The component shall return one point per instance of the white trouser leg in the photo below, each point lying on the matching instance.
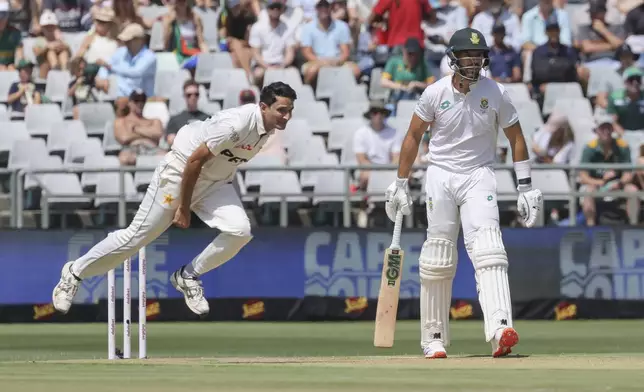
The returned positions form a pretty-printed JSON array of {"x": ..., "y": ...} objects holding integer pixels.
[
  {"x": 480, "y": 219},
  {"x": 154, "y": 216},
  {"x": 438, "y": 258},
  {"x": 221, "y": 209}
]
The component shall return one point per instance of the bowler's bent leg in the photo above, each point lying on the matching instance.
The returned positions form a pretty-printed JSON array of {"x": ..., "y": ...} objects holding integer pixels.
[
  {"x": 437, "y": 264},
  {"x": 153, "y": 217},
  {"x": 223, "y": 210},
  {"x": 480, "y": 220}
]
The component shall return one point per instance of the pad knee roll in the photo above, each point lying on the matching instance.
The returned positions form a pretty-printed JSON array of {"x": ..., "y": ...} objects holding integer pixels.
[
  {"x": 488, "y": 249},
  {"x": 437, "y": 259}
]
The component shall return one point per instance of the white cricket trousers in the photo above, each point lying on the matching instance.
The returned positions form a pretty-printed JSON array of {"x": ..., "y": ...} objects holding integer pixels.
[
  {"x": 470, "y": 197},
  {"x": 215, "y": 203}
]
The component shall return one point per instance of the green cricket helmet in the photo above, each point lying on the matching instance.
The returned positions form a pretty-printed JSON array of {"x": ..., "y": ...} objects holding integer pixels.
[{"x": 468, "y": 53}]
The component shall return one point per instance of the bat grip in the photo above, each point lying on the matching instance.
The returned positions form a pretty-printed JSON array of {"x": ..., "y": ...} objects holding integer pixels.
[{"x": 395, "y": 240}]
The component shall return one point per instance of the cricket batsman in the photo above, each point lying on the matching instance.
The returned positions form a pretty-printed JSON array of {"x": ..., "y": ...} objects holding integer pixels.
[
  {"x": 464, "y": 111},
  {"x": 195, "y": 175}
]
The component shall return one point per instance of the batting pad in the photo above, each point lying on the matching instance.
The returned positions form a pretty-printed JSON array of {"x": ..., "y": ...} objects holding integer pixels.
[
  {"x": 491, "y": 264},
  {"x": 437, "y": 266}
]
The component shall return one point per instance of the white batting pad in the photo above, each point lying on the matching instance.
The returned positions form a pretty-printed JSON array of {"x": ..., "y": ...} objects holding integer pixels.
[
  {"x": 437, "y": 266},
  {"x": 491, "y": 265}
]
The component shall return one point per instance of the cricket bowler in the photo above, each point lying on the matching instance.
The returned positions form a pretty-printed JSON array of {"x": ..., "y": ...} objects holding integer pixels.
[
  {"x": 195, "y": 175},
  {"x": 464, "y": 111}
]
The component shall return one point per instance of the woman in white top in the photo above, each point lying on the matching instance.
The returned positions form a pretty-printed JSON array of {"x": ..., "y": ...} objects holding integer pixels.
[
  {"x": 183, "y": 32},
  {"x": 554, "y": 141},
  {"x": 100, "y": 43}
]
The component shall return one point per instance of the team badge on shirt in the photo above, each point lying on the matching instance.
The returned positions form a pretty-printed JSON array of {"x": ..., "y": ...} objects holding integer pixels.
[
  {"x": 234, "y": 137},
  {"x": 484, "y": 103}
]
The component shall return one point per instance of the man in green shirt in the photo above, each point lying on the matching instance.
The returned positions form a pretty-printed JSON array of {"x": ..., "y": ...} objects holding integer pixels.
[
  {"x": 407, "y": 75},
  {"x": 627, "y": 105},
  {"x": 10, "y": 41},
  {"x": 606, "y": 149}
]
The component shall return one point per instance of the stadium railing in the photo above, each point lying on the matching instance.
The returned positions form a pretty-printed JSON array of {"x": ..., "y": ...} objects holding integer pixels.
[{"x": 17, "y": 178}]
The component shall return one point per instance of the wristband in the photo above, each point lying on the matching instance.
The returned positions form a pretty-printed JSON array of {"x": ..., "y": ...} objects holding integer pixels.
[
  {"x": 401, "y": 182},
  {"x": 524, "y": 180}
]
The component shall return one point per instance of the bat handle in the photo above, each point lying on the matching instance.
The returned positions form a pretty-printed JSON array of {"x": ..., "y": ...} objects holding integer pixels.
[{"x": 395, "y": 240}]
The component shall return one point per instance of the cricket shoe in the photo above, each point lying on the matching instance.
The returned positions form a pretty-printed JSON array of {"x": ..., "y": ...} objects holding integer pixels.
[
  {"x": 192, "y": 290},
  {"x": 503, "y": 342},
  {"x": 434, "y": 350},
  {"x": 65, "y": 290}
]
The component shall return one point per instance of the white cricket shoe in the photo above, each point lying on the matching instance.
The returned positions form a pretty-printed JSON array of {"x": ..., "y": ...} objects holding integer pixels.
[
  {"x": 192, "y": 290},
  {"x": 503, "y": 341},
  {"x": 434, "y": 350},
  {"x": 65, "y": 289}
]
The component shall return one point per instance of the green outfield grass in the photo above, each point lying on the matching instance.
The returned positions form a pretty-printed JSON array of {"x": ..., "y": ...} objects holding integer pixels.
[{"x": 257, "y": 356}]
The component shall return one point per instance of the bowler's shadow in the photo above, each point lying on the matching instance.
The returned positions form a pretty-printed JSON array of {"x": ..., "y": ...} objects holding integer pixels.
[{"x": 511, "y": 356}]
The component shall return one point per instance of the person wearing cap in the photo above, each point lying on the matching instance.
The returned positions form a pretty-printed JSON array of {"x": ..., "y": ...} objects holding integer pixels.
[
  {"x": 627, "y": 105},
  {"x": 496, "y": 13},
  {"x": 195, "y": 176},
  {"x": 599, "y": 40},
  {"x": 133, "y": 64},
  {"x": 606, "y": 149},
  {"x": 189, "y": 115},
  {"x": 406, "y": 75},
  {"x": 554, "y": 62},
  {"x": 325, "y": 42},
  {"x": 533, "y": 25},
  {"x": 100, "y": 43},
  {"x": 627, "y": 59},
  {"x": 137, "y": 134},
  {"x": 464, "y": 112},
  {"x": 505, "y": 62},
  {"x": 11, "y": 50},
  {"x": 23, "y": 92},
  {"x": 183, "y": 34},
  {"x": 50, "y": 50},
  {"x": 403, "y": 22},
  {"x": 72, "y": 15},
  {"x": 271, "y": 42},
  {"x": 235, "y": 24}
]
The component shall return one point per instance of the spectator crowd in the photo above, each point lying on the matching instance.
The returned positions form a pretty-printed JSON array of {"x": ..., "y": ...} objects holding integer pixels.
[{"x": 122, "y": 52}]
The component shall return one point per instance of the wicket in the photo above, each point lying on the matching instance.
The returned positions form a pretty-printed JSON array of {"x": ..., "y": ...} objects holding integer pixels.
[{"x": 127, "y": 309}]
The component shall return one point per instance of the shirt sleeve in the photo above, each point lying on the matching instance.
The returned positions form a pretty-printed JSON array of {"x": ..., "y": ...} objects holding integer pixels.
[
  {"x": 143, "y": 67},
  {"x": 220, "y": 135},
  {"x": 360, "y": 145},
  {"x": 254, "y": 39},
  {"x": 345, "y": 35},
  {"x": 626, "y": 154},
  {"x": 586, "y": 155},
  {"x": 306, "y": 39},
  {"x": 507, "y": 112},
  {"x": 565, "y": 34},
  {"x": 390, "y": 67},
  {"x": 525, "y": 29},
  {"x": 14, "y": 88},
  {"x": 381, "y": 7},
  {"x": 425, "y": 106},
  {"x": 610, "y": 108}
]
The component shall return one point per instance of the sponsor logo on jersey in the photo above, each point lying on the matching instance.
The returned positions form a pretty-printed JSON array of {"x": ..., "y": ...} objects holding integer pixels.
[
  {"x": 232, "y": 158},
  {"x": 444, "y": 105}
]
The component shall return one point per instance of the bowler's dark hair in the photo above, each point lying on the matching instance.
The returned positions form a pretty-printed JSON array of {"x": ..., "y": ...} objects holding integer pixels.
[{"x": 270, "y": 93}]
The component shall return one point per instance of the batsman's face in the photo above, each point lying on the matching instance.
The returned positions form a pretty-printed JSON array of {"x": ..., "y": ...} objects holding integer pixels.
[
  {"x": 470, "y": 63},
  {"x": 278, "y": 114}
]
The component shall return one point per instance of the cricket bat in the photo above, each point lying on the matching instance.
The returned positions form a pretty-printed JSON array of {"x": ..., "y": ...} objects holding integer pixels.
[{"x": 387, "y": 308}]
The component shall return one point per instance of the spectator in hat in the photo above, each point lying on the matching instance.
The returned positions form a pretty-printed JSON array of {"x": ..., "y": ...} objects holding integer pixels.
[
  {"x": 627, "y": 105},
  {"x": 190, "y": 114},
  {"x": 626, "y": 58},
  {"x": 555, "y": 62},
  {"x": 534, "y": 23},
  {"x": 138, "y": 135},
  {"x": 599, "y": 40},
  {"x": 406, "y": 75},
  {"x": 72, "y": 15},
  {"x": 606, "y": 149},
  {"x": 11, "y": 50},
  {"x": 23, "y": 92},
  {"x": 183, "y": 34},
  {"x": 376, "y": 143},
  {"x": 235, "y": 24},
  {"x": 505, "y": 62},
  {"x": 82, "y": 87},
  {"x": 133, "y": 64},
  {"x": 247, "y": 96},
  {"x": 50, "y": 49},
  {"x": 271, "y": 42},
  {"x": 325, "y": 42},
  {"x": 494, "y": 14},
  {"x": 101, "y": 42},
  {"x": 403, "y": 22}
]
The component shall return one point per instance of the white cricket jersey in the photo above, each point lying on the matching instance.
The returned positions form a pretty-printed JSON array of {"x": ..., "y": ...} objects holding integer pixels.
[
  {"x": 465, "y": 127},
  {"x": 234, "y": 136}
]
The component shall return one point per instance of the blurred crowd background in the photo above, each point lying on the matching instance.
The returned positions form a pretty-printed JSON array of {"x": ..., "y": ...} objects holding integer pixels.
[{"x": 103, "y": 84}]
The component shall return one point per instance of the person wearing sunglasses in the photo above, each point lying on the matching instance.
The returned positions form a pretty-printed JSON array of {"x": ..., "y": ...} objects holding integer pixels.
[{"x": 190, "y": 114}]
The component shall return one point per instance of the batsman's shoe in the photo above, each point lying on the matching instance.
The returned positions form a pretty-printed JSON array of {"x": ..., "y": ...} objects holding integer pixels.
[
  {"x": 65, "y": 289},
  {"x": 192, "y": 290},
  {"x": 503, "y": 342},
  {"x": 434, "y": 350}
]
